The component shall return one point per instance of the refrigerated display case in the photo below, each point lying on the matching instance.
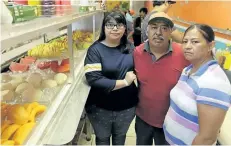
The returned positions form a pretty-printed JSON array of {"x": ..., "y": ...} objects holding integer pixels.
[{"x": 65, "y": 102}]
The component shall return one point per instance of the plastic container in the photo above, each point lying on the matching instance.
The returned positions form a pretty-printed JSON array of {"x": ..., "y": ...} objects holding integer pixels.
[
  {"x": 36, "y": 3},
  {"x": 227, "y": 63},
  {"x": 22, "y": 2},
  {"x": 22, "y": 13},
  {"x": 66, "y": 5},
  {"x": 6, "y": 17},
  {"x": 48, "y": 7},
  {"x": 58, "y": 7}
]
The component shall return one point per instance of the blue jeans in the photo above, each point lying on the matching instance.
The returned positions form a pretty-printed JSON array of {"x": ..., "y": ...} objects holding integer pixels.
[
  {"x": 145, "y": 134},
  {"x": 107, "y": 124}
]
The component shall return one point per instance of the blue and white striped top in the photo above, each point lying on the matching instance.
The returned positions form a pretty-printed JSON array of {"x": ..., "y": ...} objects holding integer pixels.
[{"x": 210, "y": 86}]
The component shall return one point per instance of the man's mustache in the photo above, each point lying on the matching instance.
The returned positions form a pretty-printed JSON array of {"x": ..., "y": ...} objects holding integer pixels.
[{"x": 159, "y": 37}]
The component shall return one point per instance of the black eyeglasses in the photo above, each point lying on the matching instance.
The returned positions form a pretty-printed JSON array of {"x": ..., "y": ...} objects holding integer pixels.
[{"x": 111, "y": 25}]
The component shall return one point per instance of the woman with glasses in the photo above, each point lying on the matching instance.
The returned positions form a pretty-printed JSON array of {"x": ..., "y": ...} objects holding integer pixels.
[{"x": 109, "y": 71}]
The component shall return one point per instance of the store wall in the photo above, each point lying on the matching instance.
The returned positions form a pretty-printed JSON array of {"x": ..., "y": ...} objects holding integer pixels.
[
  {"x": 214, "y": 13},
  {"x": 148, "y": 4},
  {"x": 220, "y": 41}
]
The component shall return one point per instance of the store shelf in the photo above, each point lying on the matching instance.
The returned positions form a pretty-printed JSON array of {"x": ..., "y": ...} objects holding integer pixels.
[
  {"x": 59, "y": 123},
  {"x": 64, "y": 125},
  {"x": 14, "y": 34},
  {"x": 33, "y": 32},
  {"x": 10, "y": 55},
  {"x": 48, "y": 115}
]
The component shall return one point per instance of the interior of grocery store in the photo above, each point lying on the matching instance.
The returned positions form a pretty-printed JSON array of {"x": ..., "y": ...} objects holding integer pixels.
[{"x": 44, "y": 44}]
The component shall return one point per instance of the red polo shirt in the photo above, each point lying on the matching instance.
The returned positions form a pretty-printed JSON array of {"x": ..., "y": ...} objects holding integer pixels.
[{"x": 156, "y": 79}]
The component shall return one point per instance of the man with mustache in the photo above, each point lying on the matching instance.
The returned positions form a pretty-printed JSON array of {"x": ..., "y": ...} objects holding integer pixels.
[
  {"x": 158, "y": 65},
  {"x": 161, "y": 6}
]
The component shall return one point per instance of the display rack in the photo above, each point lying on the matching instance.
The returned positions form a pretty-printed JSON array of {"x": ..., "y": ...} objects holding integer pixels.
[
  {"x": 58, "y": 125},
  {"x": 14, "y": 34}
]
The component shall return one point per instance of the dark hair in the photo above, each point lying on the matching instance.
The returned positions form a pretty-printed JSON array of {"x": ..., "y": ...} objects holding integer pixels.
[
  {"x": 158, "y": 2},
  {"x": 127, "y": 11},
  {"x": 145, "y": 10},
  {"x": 204, "y": 29},
  {"x": 119, "y": 18},
  {"x": 161, "y": 2}
]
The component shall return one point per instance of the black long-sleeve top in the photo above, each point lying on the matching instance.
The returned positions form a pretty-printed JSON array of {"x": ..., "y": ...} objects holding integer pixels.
[{"x": 103, "y": 66}]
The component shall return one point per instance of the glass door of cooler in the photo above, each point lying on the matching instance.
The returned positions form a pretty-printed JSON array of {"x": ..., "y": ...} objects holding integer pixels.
[{"x": 84, "y": 32}]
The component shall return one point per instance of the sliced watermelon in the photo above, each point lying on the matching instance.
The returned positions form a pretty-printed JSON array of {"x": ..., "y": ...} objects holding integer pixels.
[
  {"x": 16, "y": 67},
  {"x": 64, "y": 68},
  {"x": 26, "y": 61},
  {"x": 54, "y": 66},
  {"x": 65, "y": 61},
  {"x": 44, "y": 65}
]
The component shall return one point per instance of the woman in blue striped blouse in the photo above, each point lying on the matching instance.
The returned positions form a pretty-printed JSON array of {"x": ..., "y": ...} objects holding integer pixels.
[{"x": 201, "y": 98}]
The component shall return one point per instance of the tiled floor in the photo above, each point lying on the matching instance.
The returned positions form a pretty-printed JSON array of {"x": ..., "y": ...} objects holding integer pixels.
[{"x": 130, "y": 140}]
